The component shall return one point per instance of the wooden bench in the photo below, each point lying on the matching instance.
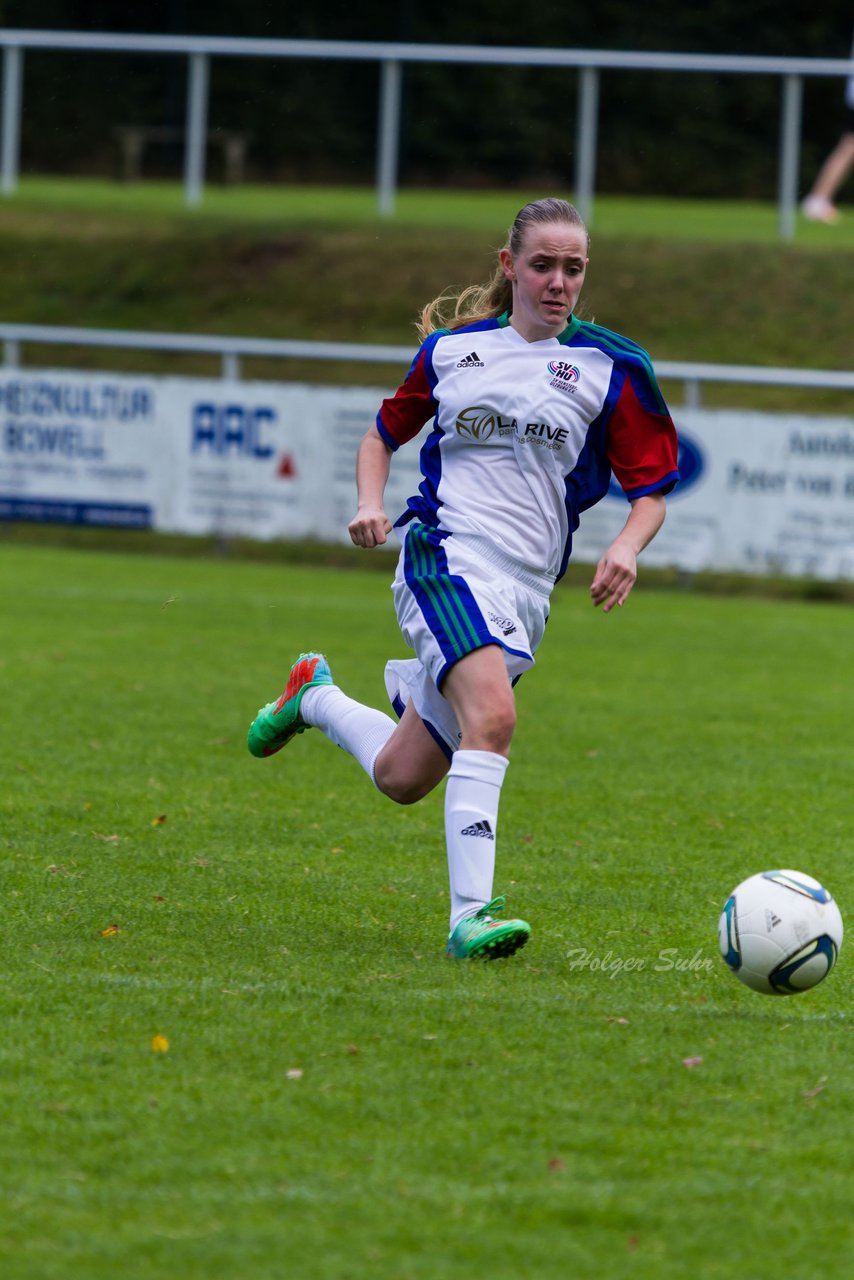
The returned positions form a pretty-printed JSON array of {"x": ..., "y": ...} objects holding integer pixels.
[{"x": 133, "y": 140}]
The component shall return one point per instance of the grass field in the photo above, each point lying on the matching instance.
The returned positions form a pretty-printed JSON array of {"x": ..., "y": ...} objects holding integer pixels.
[{"x": 330, "y": 1097}]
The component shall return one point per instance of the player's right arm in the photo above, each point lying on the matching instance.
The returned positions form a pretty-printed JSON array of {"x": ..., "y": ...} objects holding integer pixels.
[
  {"x": 371, "y": 526},
  {"x": 400, "y": 418}
]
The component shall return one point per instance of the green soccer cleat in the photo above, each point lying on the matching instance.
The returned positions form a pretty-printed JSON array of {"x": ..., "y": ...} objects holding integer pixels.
[
  {"x": 278, "y": 722},
  {"x": 479, "y": 937}
]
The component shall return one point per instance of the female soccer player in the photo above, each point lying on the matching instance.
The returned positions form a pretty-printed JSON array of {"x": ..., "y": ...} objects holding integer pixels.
[{"x": 532, "y": 409}]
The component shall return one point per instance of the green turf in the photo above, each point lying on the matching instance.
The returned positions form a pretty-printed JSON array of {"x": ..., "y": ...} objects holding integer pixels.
[{"x": 531, "y": 1117}]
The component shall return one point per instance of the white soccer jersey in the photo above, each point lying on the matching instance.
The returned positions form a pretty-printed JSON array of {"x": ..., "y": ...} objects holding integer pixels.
[{"x": 526, "y": 434}]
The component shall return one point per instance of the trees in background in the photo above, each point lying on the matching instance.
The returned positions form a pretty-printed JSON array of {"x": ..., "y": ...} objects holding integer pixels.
[{"x": 678, "y": 134}]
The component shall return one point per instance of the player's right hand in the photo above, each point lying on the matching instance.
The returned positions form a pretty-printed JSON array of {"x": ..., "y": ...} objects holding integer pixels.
[{"x": 370, "y": 527}]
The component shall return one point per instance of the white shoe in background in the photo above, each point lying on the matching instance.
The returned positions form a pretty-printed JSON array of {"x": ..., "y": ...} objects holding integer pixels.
[{"x": 818, "y": 209}]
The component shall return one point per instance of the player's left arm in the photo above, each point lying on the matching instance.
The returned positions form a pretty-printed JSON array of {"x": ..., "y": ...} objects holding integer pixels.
[
  {"x": 617, "y": 571},
  {"x": 643, "y": 452}
]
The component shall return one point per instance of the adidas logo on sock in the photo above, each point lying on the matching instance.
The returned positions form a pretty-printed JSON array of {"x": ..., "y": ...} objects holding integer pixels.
[
  {"x": 482, "y": 829},
  {"x": 471, "y": 361}
]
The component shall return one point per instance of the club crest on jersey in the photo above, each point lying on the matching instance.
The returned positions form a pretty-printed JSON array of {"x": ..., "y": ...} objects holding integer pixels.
[
  {"x": 565, "y": 376},
  {"x": 480, "y": 422}
]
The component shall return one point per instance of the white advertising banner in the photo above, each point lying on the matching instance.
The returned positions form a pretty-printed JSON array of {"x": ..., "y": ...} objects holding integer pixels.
[
  {"x": 251, "y": 460},
  {"x": 80, "y": 448},
  {"x": 254, "y": 459},
  {"x": 762, "y": 493}
]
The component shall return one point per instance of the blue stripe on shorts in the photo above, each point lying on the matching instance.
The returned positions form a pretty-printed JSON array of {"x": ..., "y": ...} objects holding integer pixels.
[{"x": 444, "y": 598}]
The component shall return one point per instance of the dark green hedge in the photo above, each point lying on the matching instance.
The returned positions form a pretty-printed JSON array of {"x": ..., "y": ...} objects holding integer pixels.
[{"x": 698, "y": 135}]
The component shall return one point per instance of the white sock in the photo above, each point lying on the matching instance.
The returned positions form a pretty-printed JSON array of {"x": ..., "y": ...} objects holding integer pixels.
[
  {"x": 471, "y": 817},
  {"x": 361, "y": 730}
]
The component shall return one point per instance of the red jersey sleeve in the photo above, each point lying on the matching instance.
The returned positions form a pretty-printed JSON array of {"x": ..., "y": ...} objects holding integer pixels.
[
  {"x": 641, "y": 440},
  {"x": 402, "y": 415}
]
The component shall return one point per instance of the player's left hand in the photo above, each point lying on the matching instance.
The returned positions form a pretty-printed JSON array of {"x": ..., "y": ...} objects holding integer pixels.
[{"x": 616, "y": 574}]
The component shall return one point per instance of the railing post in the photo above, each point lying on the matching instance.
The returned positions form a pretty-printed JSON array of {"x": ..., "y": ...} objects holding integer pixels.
[
  {"x": 13, "y": 58},
  {"x": 790, "y": 150},
  {"x": 389, "y": 137},
  {"x": 12, "y": 353},
  {"x": 197, "y": 127},
  {"x": 585, "y": 140},
  {"x": 230, "y": 366},
  {"x": 692, "y": 394}
]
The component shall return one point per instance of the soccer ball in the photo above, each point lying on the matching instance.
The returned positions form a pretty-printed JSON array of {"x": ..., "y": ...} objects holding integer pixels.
[{"x": 780, "y": 932}]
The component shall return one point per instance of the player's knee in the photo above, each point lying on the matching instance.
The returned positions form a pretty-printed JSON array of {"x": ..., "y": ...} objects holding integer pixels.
[
  {"x": 402, "y": 790},
  {"x": 405, "y": 792},
  {"x": 492, "y": 726},
  {"x": 400, "y": 784}
]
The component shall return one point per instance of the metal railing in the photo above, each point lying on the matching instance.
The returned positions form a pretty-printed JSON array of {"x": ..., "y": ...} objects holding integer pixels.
[
  {"x": 231, "y": 349},
  {"x": 391, "y": 59}
]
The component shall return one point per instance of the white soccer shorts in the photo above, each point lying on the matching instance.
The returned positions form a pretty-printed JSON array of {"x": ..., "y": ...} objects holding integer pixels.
[{"x": 455, "y": 593}]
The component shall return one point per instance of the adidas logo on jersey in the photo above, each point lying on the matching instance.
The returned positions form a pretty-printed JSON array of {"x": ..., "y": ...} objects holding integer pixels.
[
  {"x": 482, "y": 829},
  {"x": 471, "y": 361}
]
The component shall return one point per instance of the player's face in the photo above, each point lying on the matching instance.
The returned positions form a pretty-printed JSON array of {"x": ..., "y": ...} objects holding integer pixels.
[{"x": 546, "y": 277}]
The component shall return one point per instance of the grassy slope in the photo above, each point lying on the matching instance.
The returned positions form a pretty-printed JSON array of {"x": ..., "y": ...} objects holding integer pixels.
[
  {"x": 690, "y": 281},
  {"x": 283, "y": 917}
]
